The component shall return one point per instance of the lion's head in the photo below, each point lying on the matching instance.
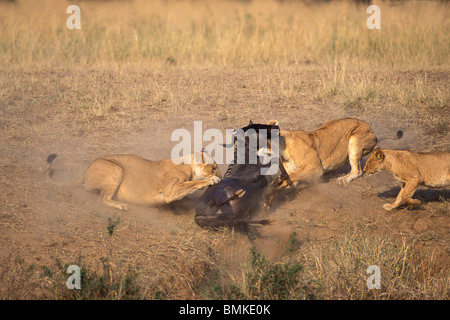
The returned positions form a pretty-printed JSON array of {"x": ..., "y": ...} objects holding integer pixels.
[
  {"x": 204, "y": 166},
  {"x": 375, "y": 162}
]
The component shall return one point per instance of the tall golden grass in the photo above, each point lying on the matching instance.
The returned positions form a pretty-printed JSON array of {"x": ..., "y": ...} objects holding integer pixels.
[{"x": 413, "y": 34}]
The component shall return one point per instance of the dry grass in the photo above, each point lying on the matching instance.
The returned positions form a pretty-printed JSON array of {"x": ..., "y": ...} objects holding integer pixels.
[
  {"x": 407, "y": 95},
  {"x": 407, "y": 272},
  {"x": 152, "y": 265},
  {"x": 230, "y": 33},
  {"x": 336, "y": 269},
  {"x": 131, "y": 262}
]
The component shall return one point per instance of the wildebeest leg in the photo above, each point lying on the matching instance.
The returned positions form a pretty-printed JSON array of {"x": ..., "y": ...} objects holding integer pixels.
[
  {"x": 251, "y": 231},
  {"x": 279, "y": 183},
  {"x": 306, "y": 174},
  {"x": 263, "y": 222},
  {"x": 213, "y": 223},
  {"x": 309, "y": 170}
]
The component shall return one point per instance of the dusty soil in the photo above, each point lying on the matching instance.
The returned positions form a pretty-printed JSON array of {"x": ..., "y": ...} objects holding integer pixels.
[{"x": 43, "y": 113}]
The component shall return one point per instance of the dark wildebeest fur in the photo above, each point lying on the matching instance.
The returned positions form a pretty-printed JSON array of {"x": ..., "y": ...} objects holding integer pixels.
[{"x": 239, "y": 195}]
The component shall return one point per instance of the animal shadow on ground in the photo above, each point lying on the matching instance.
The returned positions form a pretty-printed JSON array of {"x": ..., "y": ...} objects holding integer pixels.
[
  {"x": 424, "y": 195},
  {"x": 184, "y": 206},
  {"x": 291, "y": 193}
]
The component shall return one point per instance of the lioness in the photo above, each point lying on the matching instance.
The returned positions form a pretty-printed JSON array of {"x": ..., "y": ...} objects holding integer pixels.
[
  {"x": 413, "y": 169},
  {"x": 308, "y": 155},
  {"x": 133, "y": 179}
]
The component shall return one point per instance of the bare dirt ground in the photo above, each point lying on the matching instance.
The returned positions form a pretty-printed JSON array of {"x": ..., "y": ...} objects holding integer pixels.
[{"x": 85, "y": 114}]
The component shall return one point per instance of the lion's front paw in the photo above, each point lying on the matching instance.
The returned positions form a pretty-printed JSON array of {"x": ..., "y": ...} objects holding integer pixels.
[
  {"x": 346, "y": 179},
  {"x": 388, "y": 207},
  {"x": 343, "y": 180},
  {"x": 214, "y": 180}
]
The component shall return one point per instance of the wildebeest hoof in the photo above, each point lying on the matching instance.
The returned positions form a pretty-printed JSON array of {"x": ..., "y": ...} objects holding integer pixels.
[{"x": 266, "y": 222}]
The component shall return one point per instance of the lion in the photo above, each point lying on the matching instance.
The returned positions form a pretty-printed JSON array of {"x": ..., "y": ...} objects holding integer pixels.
[
  {"x": 306, "y": 156},
  {"x": 132, "y": 179},
  {"x": 412, "y": 169}
]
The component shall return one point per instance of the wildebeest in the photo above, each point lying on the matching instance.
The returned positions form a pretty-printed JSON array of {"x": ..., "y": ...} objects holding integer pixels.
[{"x": 239, "y": 194}]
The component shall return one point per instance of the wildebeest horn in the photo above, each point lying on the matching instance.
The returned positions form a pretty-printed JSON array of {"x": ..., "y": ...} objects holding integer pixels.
[{"x": 229, "y": 145}]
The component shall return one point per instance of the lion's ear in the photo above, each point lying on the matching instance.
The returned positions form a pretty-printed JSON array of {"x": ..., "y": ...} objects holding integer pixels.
[
  {"x": 379, "y": 154},
  {"x": 203, "y": 157},
  {"x": 272, "y": 122},
  {"x": 208, "y": 160},
  {"x": 198, "y": 157}
]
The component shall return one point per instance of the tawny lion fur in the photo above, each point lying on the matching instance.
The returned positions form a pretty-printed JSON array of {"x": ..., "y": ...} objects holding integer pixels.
[
  {"x": 412, "y": 169},
  {"x": 307, "y": 155},
  {"x": 133, "y": 179}
]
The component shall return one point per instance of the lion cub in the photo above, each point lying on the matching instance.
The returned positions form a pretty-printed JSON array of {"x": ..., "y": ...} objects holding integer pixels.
[
  {"x": 133, "y": 179},
  {"x": 413, "y": 169}
]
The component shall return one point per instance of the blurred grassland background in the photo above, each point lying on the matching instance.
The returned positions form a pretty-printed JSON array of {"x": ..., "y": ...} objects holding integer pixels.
[
  {"x": 413, "y": 35},
  {"x": 267, "y": 40}
]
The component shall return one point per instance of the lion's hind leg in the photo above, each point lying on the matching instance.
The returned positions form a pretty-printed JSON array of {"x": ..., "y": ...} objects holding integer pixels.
[
  {"x": 357, "y": 148},
  {"x": 104, "y": 176}
]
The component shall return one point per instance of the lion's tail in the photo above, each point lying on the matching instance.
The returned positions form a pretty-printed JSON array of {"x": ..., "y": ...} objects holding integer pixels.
[
  {"x": 397, "y": 136},
  {"x": 50, "y": 172}
]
